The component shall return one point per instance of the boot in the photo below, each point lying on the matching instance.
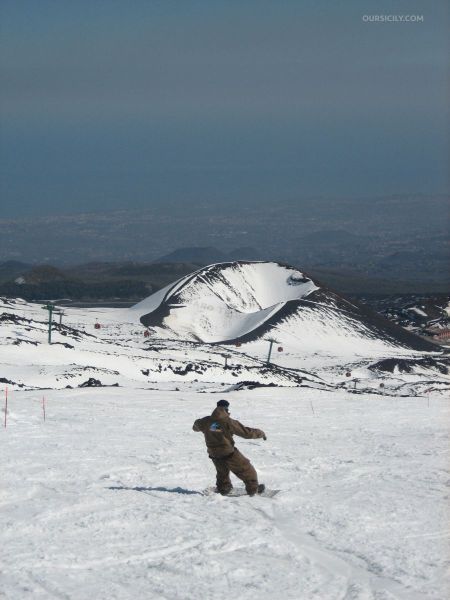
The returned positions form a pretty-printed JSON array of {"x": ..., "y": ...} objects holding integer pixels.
[{"x": 259, "y": 490}]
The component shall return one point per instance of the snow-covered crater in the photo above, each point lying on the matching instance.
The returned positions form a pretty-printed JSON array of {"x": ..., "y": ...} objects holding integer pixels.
[
  {"x": 224, "y": 301},
  {"x": 246, "y": 301}
]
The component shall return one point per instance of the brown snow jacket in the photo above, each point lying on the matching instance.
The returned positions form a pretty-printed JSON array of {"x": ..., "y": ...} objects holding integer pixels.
[{"x": 219, "y": 429}]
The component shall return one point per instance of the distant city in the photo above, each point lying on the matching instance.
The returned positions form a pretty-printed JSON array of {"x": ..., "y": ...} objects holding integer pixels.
[{"x": 398, "y": 241}]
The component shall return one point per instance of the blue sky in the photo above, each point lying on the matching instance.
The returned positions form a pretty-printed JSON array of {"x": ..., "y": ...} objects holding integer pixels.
[{"x": 108, "y": 104}]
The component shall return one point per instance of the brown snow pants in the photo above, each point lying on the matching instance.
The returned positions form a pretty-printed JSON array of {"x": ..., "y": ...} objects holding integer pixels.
[{"x": 238, "y": 464}]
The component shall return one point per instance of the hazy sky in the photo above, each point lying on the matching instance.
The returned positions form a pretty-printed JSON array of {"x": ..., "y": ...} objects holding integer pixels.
[{"x": 112, "y": 104}]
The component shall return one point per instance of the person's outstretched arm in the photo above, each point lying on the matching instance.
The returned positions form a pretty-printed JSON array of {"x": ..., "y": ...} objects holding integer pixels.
[
  {"x": 246, "y": 432},
  {"x": 197, "y": 426}
]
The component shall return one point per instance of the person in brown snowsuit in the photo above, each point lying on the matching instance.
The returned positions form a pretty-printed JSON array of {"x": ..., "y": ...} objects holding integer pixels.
[{"x": 218, "y": 430}]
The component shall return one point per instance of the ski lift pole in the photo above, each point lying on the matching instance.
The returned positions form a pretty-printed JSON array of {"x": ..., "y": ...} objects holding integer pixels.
[
  {"x": 272, "y": 342},
  {"x": 50, "y": 307},
  {"x": 60, "y": 314}
]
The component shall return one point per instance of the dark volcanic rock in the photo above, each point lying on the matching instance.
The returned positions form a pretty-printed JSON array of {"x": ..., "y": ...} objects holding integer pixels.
[
  {"x": 9, "y": 382},
  {"x": 407, "y": 365},
  {"x": 249, "y": 385},
  {"x": 91, "y": 382}
]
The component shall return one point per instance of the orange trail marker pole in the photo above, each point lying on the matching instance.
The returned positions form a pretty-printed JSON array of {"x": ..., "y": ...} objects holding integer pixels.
[
  {"x": 6, "y": 404},
  {"x": 43, "y": 407}
]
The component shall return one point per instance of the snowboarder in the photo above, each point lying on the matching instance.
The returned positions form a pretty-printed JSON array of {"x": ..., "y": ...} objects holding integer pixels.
[{"x": 218, "y": 430}]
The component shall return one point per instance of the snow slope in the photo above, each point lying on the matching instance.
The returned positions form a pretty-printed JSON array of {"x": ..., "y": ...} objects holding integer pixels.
[
  {"x": 103, "y": 499},
  {"x": 119, "y": 354},
  {"x": 247, "y": 301}
]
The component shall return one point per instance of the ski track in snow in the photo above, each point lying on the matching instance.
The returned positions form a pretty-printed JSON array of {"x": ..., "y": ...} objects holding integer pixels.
[{"x": 103, "y": 499}]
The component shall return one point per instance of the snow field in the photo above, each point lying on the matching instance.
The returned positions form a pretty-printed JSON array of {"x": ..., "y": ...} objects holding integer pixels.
[
  {"x": 103, "y": 500},
  {"x": 118, "y": 353}
]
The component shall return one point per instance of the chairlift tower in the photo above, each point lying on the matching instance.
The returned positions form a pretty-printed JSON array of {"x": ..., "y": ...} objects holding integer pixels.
[
  {"x": 50, "y": 307},
  {"x": 271, "y": 342},
  {"x": 60, "y": 313}
]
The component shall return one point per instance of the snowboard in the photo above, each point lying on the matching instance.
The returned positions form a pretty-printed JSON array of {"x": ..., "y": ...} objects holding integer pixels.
[{"x": 240, "y": 491}]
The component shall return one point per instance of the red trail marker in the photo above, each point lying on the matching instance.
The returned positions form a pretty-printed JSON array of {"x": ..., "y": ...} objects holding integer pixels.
[{"x": 6, "y": 404}]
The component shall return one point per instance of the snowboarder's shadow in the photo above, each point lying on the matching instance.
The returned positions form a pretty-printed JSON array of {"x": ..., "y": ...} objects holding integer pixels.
[{"x": 177, "y": 490}]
